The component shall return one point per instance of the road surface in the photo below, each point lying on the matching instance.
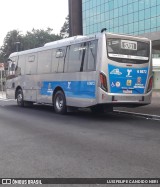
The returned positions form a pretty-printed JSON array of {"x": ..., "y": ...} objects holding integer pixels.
[{"x": 36, "y": 142}]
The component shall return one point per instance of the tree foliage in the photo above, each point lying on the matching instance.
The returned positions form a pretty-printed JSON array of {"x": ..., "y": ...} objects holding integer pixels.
[
  {"x": 10, "y": 43},
  {"x": 64, "y": 32},
  {"x": 37, "y": 38},
  {"x": 15, "y": 41}
]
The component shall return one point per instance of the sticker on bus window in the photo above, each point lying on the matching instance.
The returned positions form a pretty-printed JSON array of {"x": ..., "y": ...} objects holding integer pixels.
[{"x": 130, "y": 45}]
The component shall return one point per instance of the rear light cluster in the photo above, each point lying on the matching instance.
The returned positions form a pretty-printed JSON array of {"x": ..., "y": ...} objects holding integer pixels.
[
  {"x": 150, "y": 84},
  {"x": 103, "y": 82}
]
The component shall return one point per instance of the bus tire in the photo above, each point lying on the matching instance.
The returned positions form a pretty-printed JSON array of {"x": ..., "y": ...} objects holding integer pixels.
[
  {"x": 20, "y": 101},
  {"x": 60, "y": 103}
]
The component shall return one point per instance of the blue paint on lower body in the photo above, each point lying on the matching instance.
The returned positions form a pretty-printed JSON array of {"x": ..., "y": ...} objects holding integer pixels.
[{"x": 76, "y": 89}]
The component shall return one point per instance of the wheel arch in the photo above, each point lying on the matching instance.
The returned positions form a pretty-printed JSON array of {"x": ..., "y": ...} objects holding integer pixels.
[{"x": 58, "y": 88}]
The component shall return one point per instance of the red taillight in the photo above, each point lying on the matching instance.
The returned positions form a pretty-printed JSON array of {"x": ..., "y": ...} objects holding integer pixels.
[
  {"x": 150, "y": 84},
  {"x": 103, "y": 82}
]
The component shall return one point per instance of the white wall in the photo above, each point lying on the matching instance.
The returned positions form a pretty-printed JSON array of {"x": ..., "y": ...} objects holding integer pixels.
[{"x": 156, "y": 73}]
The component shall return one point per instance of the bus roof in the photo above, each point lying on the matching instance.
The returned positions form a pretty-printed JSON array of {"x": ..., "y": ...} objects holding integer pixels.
[
  {"x": 59, "y": 43},
  {"x": 73, "y": 40},
  {"x": 65, "y": 40}
]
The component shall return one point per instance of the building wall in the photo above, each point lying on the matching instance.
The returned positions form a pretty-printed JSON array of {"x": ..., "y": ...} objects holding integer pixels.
[
  {"x": 156, "y": 73},
  {"x": 134, "y": 17}
]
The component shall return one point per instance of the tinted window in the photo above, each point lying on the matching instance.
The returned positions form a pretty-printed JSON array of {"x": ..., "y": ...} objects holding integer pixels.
[
  {"x": 75, "y": 57},
  {"x": 12, "y": 65},
  {"x": 58, "y": 56},
  {"x": 21, "y": 65},
  {"x": 92, "y": 53},
  {"x": 44, "y": 61},
  {"x": 54, "y": 61},
  {"x": 31, "y": 64},
  {"x": 128, "y": 51}
]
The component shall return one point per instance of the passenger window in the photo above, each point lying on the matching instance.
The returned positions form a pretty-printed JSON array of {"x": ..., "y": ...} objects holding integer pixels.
[
  {"x": 31, "y": 64},
  {"x": 21, "y": 65},
  {"x": 12, "y": 65},
  {"x": 44, "y": 61},
  {"x": 31, "y": 58},
  {"x": 60, "y": 55},
  {"x": 92, "y": 54},
  {"x": 75, "y": 57},
  {"x": 54, "y": 61}
]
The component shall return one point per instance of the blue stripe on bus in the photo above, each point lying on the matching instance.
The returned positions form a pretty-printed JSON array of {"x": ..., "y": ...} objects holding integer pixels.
[{"x": 76, "y": 89}]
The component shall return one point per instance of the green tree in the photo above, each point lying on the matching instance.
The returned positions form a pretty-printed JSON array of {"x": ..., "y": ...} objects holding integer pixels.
[
  {"x": 2, "y": 56},
  {"x": 64, "y": 32},
  {"x": 15, "y": 41},
  {"x": 12, "y": 40},
  {"x": 37, "y": 38}
]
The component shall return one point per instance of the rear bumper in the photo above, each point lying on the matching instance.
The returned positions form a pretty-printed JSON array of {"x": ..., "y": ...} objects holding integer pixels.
[{"x": 124, "y": 99}]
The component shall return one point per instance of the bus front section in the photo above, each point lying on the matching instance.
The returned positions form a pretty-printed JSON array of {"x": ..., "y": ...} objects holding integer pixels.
[{"x": 126, "y": 71}]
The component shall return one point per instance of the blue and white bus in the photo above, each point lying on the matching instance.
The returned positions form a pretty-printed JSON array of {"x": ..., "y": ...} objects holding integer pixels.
[{"x": 98, "y": 71}]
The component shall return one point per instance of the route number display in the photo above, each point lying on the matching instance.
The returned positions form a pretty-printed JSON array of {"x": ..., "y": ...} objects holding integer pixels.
[{"x": 130, "y": 45}]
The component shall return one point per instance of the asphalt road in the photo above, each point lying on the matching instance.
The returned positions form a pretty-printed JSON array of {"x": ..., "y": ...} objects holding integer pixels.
[{"x": 36, "y": 142}]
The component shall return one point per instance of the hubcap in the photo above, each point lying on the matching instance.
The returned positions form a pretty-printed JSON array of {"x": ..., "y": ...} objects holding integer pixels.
[
  {"x": 59, "y": 102},
  {"x": 19, "y": 98}
]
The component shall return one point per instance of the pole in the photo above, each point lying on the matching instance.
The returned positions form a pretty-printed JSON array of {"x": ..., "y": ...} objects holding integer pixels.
[
  {"x": 1, "y": 83},
  {"x": 17, "y": 46}
]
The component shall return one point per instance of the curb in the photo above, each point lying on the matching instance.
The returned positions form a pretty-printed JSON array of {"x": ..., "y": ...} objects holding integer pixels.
[{"x": 147, "y": 116}]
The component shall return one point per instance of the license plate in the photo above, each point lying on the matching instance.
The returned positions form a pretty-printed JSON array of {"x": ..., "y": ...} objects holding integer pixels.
[
  {"x": 127, "y": 91},
  {"x": 128, "y": 98}
]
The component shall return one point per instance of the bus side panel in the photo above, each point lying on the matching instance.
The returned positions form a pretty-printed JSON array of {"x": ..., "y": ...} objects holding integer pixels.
[
  {"x": 10, "y": 91},
  {"x": 79, "y": 88},
  {"x": 44, "y": 92},
  {"x": 11, "y": 85},
  {"x": 82, "y": 92},
  {"x": 28, "y": 84}
]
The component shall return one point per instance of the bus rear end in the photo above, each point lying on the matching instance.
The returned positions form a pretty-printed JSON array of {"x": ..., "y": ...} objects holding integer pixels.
[{"x": 125, "y": 77}]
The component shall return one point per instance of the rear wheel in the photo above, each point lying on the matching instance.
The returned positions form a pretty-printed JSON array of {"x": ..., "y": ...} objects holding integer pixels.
[
  {"x": 60, "y": 103},
  {"x": 20, "y": 101}
]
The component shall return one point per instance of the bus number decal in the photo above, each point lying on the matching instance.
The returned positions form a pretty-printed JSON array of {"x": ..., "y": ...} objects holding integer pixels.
[
  {"x": 91, "y": 83},
  {"x": 130, "y": 45}
]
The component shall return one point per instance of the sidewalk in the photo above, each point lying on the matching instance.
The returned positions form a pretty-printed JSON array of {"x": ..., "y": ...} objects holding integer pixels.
[
  {"x": 2, "y": 95},
  {"x": 152, "y": 109}
]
